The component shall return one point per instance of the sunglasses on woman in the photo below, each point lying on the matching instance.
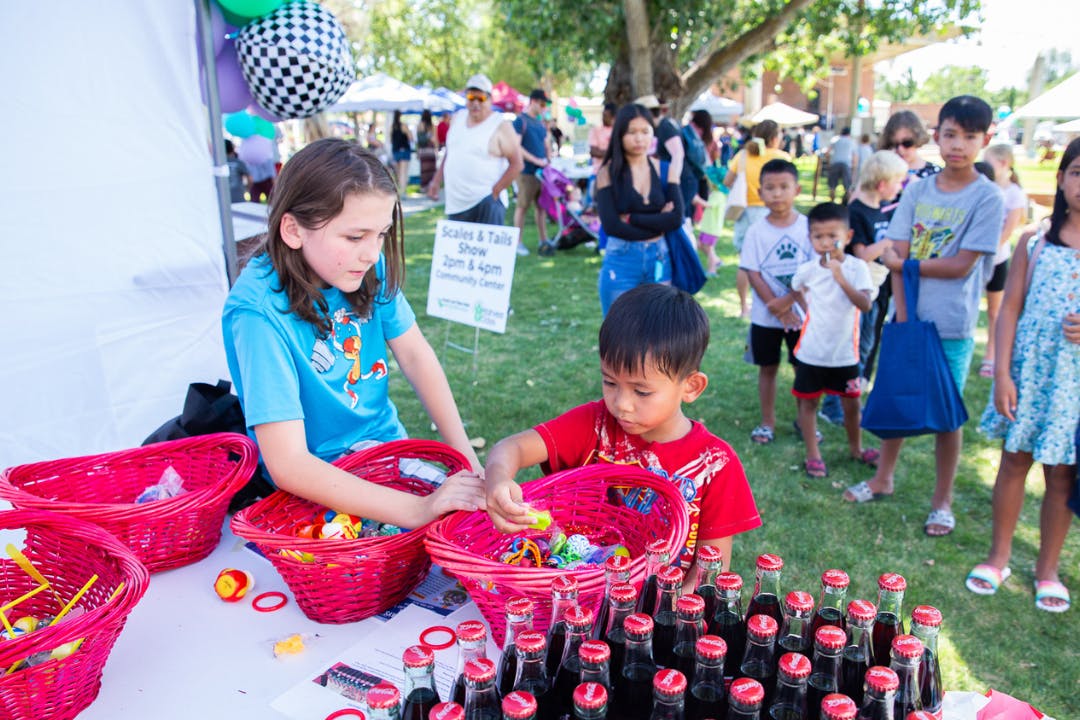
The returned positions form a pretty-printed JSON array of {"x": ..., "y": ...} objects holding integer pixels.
[{"x": 906, "y": 142}]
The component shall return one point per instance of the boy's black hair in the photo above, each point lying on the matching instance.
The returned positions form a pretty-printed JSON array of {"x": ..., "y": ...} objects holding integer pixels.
[
  {"x": 659, "y": 322},
  {"x": 778, "y": 166},
  {"x": 826, "y": 211},
  {"x": 229, "y": 147},
  {"x": 969, "y": 112}
]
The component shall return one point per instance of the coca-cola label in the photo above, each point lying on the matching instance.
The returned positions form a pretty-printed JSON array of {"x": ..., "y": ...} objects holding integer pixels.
[
  {"x": 479, "y": 670},
  {"x": 907, "y": 646},
  {"x": 518, "y": 705},
  {"x": 927, "y": 615},
  {"x": 590, "y": 696},
  {"x": 882, "y": 679},
  {"x": 770, "y": 562},
  {"x": 669, "y": 682},
  {"x": 578, "y": 617},
  {"x": 892, "y": 582},
  {"x": 729, "y": 581},
  {"x": 447, "y": 711},
  {"x": 861, "y": 609},
  {"x": 712, "y": 647},
  {"x": 638, "y": 624},
  {"x": 835, "y": 578},
  {"x": 830, "y": 637},
  {"x": 670, "y": 575},
  {"x": 417, "y": 656},
  {"x": 747, "y": 691},
  {"x": 762, "y": 626},
  {"x": 564, "y": 584},
  {"x": 709, "y": 554},
  {"x": 799, "y": 601},
  {"x": 519, "y": 606},
  {"x": 594, "y": 651},
  {"x": 623, "y": 592},
  {"x": 530, "y": 641},
  {"x": 471, "y": 631},
  {"x": 795, "y": 665},
  {"x": 382, "y": 696},
  {"x": 690, "y": 604}
]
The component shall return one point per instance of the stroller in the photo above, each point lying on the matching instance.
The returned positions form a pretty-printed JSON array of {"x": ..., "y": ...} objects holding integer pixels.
[{"x": 560, "y": 198}]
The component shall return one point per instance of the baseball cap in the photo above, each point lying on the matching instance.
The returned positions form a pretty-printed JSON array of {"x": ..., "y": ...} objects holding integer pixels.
[
  {"x": 479, "y": 81},
  {"x": 539, "y": 94},
  {"x": 649, "y": 102}
]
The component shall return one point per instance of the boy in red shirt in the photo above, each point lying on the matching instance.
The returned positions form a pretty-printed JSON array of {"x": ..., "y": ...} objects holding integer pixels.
[{"x": 651, "y": 345}]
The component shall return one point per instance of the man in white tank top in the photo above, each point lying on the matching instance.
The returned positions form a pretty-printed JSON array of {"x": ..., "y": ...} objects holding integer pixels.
[{"x": 482, "y": 157}]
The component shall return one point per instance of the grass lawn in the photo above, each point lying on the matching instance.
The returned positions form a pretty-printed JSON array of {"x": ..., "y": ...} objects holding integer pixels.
[{"x": 547, "y": 362}]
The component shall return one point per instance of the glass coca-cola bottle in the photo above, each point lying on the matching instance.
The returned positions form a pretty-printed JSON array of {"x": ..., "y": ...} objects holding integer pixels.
[
  {"x": 633, "y": 690},
  {"x": 384, "y": 702},
  {"x": 830, "y": 608},
  {"x": 709, "y": 563},
  {"x": 925, "y": 625},
  {"x": 669, "y": 580},
  {"x": 729, "y": 622},
  {"x": 472, "y": 645},
  {"x": 798, "y": 616},
  {"x": 622, "y": 601},
  {"x": 745, "y": 697},
  {"x": 448, "y": 710},
  {"x": 669, "y": 695},
  {"x": 657, "y": 555},
  {"x": 579, "y": 622},
  {"x": 907, "y": 653},
  {"x": 591, "y": 702},
  {"x": 825, "y": 678},
  {"x": 420, "y": 693},
  {"x": 519, "y": 705},
  {"x": 766, "y": 597},
  {"x": 532, "y": 674},
  {"x": 890, "y": 615},
  {"x": 564, "y": 595},
  {"x": 792, "y": 673},
  {"x": 759, "y": 659},
  {"x": 595, "y": 663},
  {"x": 519, "y": 619},
  {"x": 878, "y": 701},
  {"x": 707, "y": 697},
  {"x": 481, "y": 695},
  {"x": 616, "y": 571},
  {"x": 838, "y": 706},
  {"x": 689, "y": 626},
  {"x": 858, "y": 650}
]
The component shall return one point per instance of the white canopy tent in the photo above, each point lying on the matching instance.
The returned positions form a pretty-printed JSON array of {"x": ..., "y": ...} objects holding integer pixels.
[
  {"x": 114, "y": 276},
  {"x": 721, "y": 109},
  {"x": 1060, "y": 101},
  {"x": 381, "y": 93},
  {"x": 1073, "y": 126},
  {"x": 784, "y": 115}
]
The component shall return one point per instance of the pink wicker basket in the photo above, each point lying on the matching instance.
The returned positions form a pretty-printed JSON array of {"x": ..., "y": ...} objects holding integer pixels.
[
  {"x": 586, "y": 500},
  {"x": 102, "y": 489},
  {"x": 348, "y": 580},
  {"x": 67, "y": 551}
]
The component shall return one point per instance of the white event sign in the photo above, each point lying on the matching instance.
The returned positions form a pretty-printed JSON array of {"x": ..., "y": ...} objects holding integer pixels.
[{"x": 472, "y": 271}]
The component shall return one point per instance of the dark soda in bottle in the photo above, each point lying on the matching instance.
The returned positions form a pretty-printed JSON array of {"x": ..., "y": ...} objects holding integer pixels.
[
  {"x": 657, "y": 555},
  {"x": 877, "y": 704},
  {"x": 795, "y": 630},
  {"x": 591, "y": 701},
  {"x": 519, "y": 619},
  {"x": 889, "y": 621},
  {"x": 633, "y": 690},
  {"x": 708, "y": 694},
  {"x": 472, "y": 645},
  {"x": 825, "y": 678},
  {"x": 579, "y": 622},
  {"x": 564, "y": 595},
  {"x": 481, "y": 695},
  {"x": 623, "y": 599},
  {"x": 421, "y": 696},
  {"x": 519, "y": 705},
  {"x": 792, "y": 674},
  {"x": 447, "y": 711},
  {"x": 669, "y": 695},
  {"x": 907, "y": 653},
  {"x": 690, "y": 611},
  {"x": 669, "y": 580},
  {"x": 759, "y": 660},
  {"x": 744, "y": 699},
  {"x": 858, "y": 656},
  {"x": 925, "y": 625},
  {"x": 728, "y": 622},
  {"x": 532, "y": 674},
  {"x": 830, "y": 609},
  {"x": 838, "y": 706},
  {"x": 384, "y": 702},
  {"x": 616, "y": 572},
  {"x": 709, "y": 563},
  {"x": 766, "y": 597},
  {"x": 595, "y": 663}
]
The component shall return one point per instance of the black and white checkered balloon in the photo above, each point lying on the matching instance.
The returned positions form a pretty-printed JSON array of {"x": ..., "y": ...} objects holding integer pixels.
[{"x": 296, "y": 60}]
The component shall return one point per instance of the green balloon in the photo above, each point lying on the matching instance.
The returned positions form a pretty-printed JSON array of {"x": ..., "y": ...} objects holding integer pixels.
[
  {"x": 241, "y": 12},
  {"x": 264, "y": 127}
]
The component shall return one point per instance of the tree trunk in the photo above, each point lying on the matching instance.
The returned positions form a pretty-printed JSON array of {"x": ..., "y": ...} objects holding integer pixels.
[{"x": 640, "y": 58}]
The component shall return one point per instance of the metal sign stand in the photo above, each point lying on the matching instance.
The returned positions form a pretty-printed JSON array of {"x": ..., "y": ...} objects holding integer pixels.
[{"x": 474, "y": 350}]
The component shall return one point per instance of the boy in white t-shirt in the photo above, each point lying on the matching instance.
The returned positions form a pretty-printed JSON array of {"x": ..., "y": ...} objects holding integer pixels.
[{"x": 836, "y": 288}]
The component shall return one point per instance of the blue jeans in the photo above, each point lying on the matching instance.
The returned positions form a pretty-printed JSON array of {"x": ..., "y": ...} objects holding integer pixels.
[
  {"x": 628, "y": 264},
  {"x": 489, "y": 211}
]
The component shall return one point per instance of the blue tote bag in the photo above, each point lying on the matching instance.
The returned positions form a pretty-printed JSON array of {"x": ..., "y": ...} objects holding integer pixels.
[
  {"x": 686, "y": 271},
  {"x": 914, "y": 392}
]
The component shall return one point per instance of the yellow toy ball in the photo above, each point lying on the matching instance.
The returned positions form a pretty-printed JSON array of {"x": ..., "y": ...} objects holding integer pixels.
[{"x": 232, "y": 584}]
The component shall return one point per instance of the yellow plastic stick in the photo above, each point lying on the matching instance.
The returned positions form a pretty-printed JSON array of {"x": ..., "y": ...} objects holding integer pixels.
[
  {"x": 28, "y": 567},
  {"x": 26, "y": 596},
  {"x": 82, "y": 591}
]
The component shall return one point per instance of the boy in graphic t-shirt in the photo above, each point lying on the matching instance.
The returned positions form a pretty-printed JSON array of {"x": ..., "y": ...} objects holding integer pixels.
[{"x": 774, "y": 247}]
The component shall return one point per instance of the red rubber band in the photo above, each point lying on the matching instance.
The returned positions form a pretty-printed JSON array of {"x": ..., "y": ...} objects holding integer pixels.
[
  {"x": 273, "y": 594},
  {"x": 345, "y": 712},
  {"x": 438, "y": 629}
]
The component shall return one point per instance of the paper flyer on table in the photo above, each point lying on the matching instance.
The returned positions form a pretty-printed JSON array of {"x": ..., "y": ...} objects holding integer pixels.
[{"x": 377, "y": 656}]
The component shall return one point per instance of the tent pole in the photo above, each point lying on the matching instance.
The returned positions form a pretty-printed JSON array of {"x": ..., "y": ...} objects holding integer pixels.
[{"x": 217, "y": 139}]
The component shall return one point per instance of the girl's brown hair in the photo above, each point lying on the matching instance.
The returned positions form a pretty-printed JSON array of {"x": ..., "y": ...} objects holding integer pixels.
[
  {"x": 312, "y": 188},
  {"x": 767, "y": 131},
  {"x": 903, "y": 120}
]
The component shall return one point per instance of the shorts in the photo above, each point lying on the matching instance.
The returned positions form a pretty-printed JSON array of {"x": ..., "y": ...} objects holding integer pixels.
[
  {"x": 750, "y": 215},
  {"x": 997, "y": 280},
  {"x": 489, "y": 211},
  {"x": 402, "y": 155},
  {"x": 763, "y": 345},
  {"x": 528, "y": 190},
  {"x": 839, "y": 174},
  {"x": 812, "y": 380},
  {"x": 707, "y": 240},
  {"x": 958, "y": 354}
]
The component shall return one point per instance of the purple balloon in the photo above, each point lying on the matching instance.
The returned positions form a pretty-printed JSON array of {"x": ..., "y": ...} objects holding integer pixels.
[
  {"x": 232, "y": 88},
  {"x": 256, "y": 109},
  {"x": 256, "y": 149},
  {"x": 218, "y": 30}
]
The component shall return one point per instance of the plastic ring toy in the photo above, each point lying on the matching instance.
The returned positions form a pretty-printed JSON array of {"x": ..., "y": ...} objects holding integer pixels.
[
  {"x": 435, "y": 630},
  {"x": 258, "y": 601},
  {"x": 344, "y": 713}
]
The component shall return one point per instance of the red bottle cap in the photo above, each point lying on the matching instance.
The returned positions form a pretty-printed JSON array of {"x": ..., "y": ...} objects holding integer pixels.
[
  {"x": 590, "y": 696},
  {"x": 926, "y": 615},
  {"x": 383, "y": 696},
  {"x": 471, "y": 631},
  {"x": 578, "y": 618},
  {"x": 835, "y": 579},
  {"x": 838, "y": 706},
  {"x": 447, "y": 711},
  {"x": 711, "y": 647},
  {"x": 623, "y": 592},
  {"x": 518, "y": 705},
  {"x": 670, "y": 575},
  {"x": 861, "y": 610},
  {"x": 709, "y": 554},
  {"x": 770, "y": 563},
  {"x": 669, "y": 682},
  {"x": 907, "y": 646},
  {"x": 530, "y": 641},
  {"x": 729, "y": 581},
  {"x": 564, "y": 584},
  {"x": 639, "y": 625},
  {"x": 762, "y": 627},
  {"x": 795, "y": 665},
  {"x": 594, "y": 651},
  {"x": 480, "y": 670},
  {"x": 799, "y": 601},
  {"x": 748, "y": 692},
  {"x": 892, "y": 582},
  {"x": 830, "y": 637},
  {"x": 417, "y": 656},
  {"x": 520, "y": 606},
  {"x": 882, "y": 679},
  {"x": 690, "y": 604},
  {"x": 920, "y": 715},
  {"x": 617, "y": 563},
  {"x": 657, "y": 547}
]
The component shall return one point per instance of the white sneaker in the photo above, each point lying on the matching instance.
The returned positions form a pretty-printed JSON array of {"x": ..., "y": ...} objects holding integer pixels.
[{"x": 522, "y": 250}]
